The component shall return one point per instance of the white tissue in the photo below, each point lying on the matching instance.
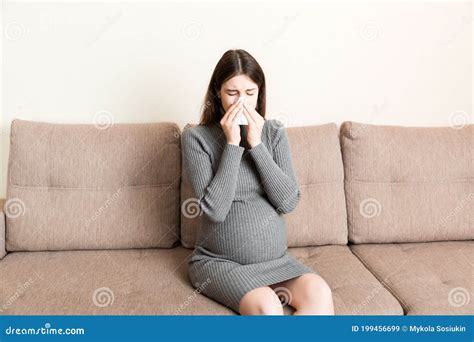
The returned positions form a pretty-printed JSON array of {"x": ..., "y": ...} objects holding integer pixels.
[{"x": 241, "y": 118}]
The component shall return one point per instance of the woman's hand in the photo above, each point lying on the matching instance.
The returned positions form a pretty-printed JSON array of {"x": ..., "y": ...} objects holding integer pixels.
[
  {"x": 255, "y": 126},
  {"x": 230, "y": 126}
]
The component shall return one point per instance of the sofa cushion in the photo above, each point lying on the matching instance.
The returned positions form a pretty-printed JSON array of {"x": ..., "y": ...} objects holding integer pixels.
[
  {"x": 155, "y": 282},
  {"x": 355, "y": 290},
  {"x": 432, "y": 278},
  {"x": 80, "y": 186},
  {"x": 320, "y": 217},
  {"x": 408, "y": 184},
  {"x": 102, "y": 282}
]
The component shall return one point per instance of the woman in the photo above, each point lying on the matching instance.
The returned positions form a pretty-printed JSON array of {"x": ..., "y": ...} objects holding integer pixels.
[{"x": 243, "y": 179}]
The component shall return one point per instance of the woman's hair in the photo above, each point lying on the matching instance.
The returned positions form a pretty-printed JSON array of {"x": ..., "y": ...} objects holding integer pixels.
[{"x": 232, "y": 63}]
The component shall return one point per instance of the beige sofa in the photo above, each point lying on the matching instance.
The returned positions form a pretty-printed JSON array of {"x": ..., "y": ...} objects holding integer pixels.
[{"x": 102, "y": 221}]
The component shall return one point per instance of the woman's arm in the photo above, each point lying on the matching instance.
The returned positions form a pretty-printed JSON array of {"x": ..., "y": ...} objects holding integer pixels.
[
  {"x": 277, "y": 174},
  {"x": 215, "y": 193}
]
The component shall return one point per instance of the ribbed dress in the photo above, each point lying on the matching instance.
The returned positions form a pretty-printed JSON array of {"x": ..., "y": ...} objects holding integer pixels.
[{"x": 242, "y": 194}]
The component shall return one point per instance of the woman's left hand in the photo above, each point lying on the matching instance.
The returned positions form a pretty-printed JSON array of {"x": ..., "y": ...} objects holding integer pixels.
[{"x": 255, "y": 126}]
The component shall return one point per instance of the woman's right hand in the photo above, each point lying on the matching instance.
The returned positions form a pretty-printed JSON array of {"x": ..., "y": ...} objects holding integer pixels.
[{"x": 230, "y": 126}]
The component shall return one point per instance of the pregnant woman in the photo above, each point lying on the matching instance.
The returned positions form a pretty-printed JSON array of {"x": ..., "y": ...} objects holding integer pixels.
[{"x": 243, "y": 179}]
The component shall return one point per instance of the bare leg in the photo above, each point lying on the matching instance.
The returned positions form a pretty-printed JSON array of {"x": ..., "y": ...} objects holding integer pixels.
[
  {"x": 309, "y": 294},
  {"x": 261, "y": 301}
]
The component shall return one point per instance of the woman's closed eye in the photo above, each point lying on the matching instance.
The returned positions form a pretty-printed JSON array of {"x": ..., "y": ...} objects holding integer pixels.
[{"x": 236, "y": 93}]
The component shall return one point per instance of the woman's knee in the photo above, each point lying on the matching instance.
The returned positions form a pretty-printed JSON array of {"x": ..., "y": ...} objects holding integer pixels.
[
  {"x": 261, "y": 301},
  {"x": 315, "y": 289}
]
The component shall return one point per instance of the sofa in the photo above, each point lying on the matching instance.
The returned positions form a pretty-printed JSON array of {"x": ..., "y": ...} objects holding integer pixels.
[{"x": 102, "y": 221}]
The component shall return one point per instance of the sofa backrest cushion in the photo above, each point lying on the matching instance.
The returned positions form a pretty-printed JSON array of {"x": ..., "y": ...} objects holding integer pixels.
[
  {"x": 320, "y": 217},
  {"x": 408, "y": 184},
  {"x": 85, "y": 186}
]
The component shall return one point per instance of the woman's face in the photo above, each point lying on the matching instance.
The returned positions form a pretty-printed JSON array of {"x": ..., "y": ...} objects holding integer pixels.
[{"x": 238, "y": 86}]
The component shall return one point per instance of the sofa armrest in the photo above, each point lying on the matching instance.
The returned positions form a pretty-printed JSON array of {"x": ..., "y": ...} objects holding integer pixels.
[{"x": 3, "y": 252}]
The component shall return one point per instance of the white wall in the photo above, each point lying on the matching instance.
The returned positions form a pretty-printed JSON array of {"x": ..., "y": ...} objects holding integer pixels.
[{"x": 382, "y": 63}]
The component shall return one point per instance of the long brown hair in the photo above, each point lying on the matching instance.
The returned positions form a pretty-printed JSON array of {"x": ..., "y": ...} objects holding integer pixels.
[{"x": 232, "y": 63}]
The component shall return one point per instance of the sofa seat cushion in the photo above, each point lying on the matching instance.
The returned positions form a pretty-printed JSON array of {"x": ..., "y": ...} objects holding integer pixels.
[
  {"x": 155, "y": 282},
  {"x": 432, "y": 278},
  {"x": 101, "y": 282},
  {"x": 355, "y": 290}
]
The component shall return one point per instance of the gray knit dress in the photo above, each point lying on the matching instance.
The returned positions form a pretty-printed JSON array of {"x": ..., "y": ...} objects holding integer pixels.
[{"x": 242, "y": 194}]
